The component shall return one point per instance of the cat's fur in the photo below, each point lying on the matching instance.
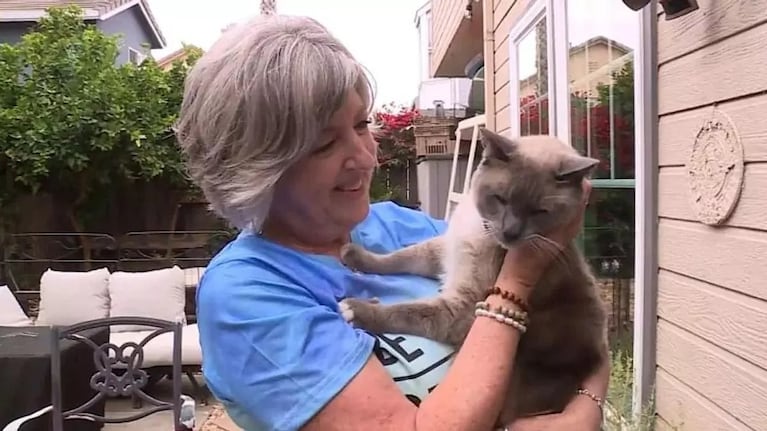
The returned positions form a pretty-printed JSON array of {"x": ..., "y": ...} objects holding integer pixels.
[{"x": 522, "y": 188}]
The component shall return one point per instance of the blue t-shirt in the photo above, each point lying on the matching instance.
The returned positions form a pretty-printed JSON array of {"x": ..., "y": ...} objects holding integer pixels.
[{"x": 275, "y": 346}]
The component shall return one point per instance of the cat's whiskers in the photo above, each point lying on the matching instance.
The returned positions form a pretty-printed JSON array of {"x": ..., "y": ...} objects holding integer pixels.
[
  {"x": 488, "y": 230},
  {"x": 546, "y": 245}
]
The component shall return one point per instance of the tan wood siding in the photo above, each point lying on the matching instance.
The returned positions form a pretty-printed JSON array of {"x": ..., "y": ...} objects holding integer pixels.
[
  {"x": 506, "y": 13},
  {"x": 446, "y": 18},
  {"x": 729, "y": 68},
  {"x": 712, "y": 300}
]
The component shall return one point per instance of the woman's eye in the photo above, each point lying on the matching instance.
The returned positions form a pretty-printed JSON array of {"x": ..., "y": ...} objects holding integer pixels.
[
  {"x": 325, "y": 148},
  {"x": 539, "y": 211},
  {"x": 501, "y": 200},
  {"x": 362, "y": 125}
]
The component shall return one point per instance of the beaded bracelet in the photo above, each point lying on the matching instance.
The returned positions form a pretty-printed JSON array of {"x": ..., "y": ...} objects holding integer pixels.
[
  {"x": 502, "y": 319},
  {"x": 510, "y": 296},
  {"x": 596, "y": 398},
  {"x": 519, "y": 316}
]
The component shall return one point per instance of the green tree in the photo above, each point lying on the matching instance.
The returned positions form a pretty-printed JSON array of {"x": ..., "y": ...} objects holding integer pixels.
[
  {"x": 75, "y": 125},
  {"x": 621, "y": 95}
]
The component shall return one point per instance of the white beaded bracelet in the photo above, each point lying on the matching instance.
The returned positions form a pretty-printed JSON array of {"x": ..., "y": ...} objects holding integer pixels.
[{"x": 501, "y": 318}]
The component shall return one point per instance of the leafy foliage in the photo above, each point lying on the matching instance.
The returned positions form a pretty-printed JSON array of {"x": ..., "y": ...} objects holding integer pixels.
[
  {"x": 594, "y": 122},
  {"x": 620, "y": 397},
  {"x": 75, "y": 125},
  {"x": 395, "y": 136},
  {"x": 396, "y": 147}
]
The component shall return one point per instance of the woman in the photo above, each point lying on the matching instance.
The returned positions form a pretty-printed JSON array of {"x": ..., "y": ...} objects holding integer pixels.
[{"x": 275, "y": 128}]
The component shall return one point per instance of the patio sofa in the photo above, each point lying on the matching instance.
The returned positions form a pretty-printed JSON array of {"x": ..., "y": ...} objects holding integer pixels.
[{"x": 71, "y": 297}]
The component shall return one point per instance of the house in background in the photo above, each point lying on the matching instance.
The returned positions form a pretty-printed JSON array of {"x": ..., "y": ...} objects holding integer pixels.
[
  {"x": 678, "y": 201},
  {"x": 131, "y": 19},
  {"x": 444, "y": 99},
  {"x": 166, "y": 63}
]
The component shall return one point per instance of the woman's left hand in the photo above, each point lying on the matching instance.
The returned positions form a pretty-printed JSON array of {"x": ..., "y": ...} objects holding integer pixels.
[{"x": 582, "y": 414}]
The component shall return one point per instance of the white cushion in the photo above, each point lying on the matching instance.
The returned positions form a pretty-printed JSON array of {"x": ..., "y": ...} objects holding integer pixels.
[
  {"x": 192, "y": 276},
  {"x": 158, "y": 294},
  {"x": 11, "y": 313},
  {"x": 159, "y": 350},
  {"x": 72, "y": 297}
]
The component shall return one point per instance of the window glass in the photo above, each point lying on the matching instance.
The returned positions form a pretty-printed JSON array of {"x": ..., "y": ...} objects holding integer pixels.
[
  {"x": 533, "y": 83},
  {"x": 602, "y": 37}
]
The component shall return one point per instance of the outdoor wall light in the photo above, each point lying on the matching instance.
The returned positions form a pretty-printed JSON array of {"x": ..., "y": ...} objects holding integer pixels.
[
  {"x": 468, "y": 13},
  {"x": 671, "y": 8}
]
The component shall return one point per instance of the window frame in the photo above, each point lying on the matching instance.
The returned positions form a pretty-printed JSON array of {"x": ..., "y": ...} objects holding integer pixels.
[
  {"x": 645, "y": 180},
  {"x": 140, "y": 57},
  {"x": 537, "y": 10}
]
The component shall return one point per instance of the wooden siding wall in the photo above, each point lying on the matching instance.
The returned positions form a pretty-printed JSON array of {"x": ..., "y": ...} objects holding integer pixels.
[
  {"x": 712, "y": 299},
  {"x": 446, "y": 18},
  {"x": 505, "y": 14}
]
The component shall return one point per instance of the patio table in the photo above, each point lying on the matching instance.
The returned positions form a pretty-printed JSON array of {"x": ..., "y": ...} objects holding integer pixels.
[{"x": 25, "y": 375}]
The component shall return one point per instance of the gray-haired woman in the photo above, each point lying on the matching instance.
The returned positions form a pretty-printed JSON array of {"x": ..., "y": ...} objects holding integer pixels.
[{"x": 275, "y": 127}]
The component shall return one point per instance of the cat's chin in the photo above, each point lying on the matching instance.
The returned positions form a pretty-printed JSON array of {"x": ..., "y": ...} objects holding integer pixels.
[{"x": 507, "y": 245}]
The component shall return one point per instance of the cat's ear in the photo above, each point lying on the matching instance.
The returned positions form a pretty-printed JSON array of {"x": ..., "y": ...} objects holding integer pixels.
[
  {"x": 575, "y": 168},
  {"x": 496, "y": 146}
]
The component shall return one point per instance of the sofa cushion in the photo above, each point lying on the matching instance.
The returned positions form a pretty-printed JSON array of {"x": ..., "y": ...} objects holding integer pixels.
[
  {"x": 192, "y": 276},
  {"x": 69, "y": 297},
  {"x": 157, "y": 294},
  {"x": 159, "y": 350},
  {"x": 11, "y": 313}
]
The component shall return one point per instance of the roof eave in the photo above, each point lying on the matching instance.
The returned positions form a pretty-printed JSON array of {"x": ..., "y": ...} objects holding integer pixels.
[{"x": 34, "y": 15}]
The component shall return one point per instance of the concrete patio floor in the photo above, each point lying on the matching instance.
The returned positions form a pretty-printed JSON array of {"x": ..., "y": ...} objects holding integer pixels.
[{"x": 209, "y": 417}]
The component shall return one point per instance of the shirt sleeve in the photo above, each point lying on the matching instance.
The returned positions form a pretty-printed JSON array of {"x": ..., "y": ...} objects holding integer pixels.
[
  {"x": 408, "y": 226},
  {"x": 278, "y": 354}
]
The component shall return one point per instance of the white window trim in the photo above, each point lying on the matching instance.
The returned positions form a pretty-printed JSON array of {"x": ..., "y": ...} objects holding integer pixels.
[
  {"x": 555, "y": 12},
  {"x": 646, "y": 213},
  {"x": 538, "y": 9},
  {"x": 139, "y": 55},
  {"x": 646, "y": 161}
]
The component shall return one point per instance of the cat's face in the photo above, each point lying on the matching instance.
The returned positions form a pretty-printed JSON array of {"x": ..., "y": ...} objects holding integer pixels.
[{"x": 528, "y": 185}]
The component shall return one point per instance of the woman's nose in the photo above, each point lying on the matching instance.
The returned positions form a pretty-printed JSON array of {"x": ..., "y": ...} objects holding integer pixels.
[{"x": 363, "y": 154}]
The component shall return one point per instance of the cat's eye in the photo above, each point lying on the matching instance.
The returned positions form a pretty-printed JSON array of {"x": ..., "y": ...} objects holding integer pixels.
[{"x": 539, "y": 211}]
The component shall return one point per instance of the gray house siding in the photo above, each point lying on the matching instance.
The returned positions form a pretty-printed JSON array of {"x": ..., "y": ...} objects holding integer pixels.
[
  {"x": 133, "y": 29},
  {"x": 130, "y": 25}
]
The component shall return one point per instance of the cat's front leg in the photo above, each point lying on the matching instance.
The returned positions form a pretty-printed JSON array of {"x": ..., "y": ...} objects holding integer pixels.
[
  {"x": 439, "y": 319},
  {"x": 424, "y": 259}
]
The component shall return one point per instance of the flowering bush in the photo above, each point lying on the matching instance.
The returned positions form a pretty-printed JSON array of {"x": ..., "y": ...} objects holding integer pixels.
[
  {"x": 395, "y": 136},
  {"x": 396, "y": 149},
  {"x": 591, "y": 122}
]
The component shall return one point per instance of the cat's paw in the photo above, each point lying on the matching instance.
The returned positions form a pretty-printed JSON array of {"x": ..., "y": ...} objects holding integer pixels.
[
  {"x": 358, "y": 312},
  {"x": 355, "y": 257},
  {"x": 347, "y": 310}
]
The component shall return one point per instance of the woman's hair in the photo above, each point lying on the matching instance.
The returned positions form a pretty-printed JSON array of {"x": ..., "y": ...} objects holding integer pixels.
[{"x": 255, "y": 103}]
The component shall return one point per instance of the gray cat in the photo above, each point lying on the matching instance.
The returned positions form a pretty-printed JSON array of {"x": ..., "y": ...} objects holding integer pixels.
[{"x": 521, "y": 189}]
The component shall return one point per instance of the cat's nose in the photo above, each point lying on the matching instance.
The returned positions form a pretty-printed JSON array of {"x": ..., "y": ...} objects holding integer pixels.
[{"x": 511, "y": 235}]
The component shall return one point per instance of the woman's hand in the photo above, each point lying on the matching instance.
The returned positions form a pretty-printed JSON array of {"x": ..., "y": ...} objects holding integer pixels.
[
  {"x": 582, "y": 414},
  {"x": 525, "y": 263}
]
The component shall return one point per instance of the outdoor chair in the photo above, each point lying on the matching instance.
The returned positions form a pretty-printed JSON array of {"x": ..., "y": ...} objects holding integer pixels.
[{"x": 118, "y": 373}]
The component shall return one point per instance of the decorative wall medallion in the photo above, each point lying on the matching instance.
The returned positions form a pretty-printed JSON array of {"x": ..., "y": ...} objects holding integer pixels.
[{"x": 715, "y": 169}]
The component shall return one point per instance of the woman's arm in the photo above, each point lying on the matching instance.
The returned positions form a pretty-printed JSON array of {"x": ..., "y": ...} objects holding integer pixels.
[{"x": 469, "y": 398}]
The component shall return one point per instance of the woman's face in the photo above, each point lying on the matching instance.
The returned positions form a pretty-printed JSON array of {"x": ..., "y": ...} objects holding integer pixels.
[{"x": 329, "y": 189}]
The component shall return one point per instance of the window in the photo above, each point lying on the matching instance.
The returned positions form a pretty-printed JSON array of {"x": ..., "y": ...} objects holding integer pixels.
[
  {"x": 531, "y": 112},
  {"x": 600, "y": 78},
  {"x": 477, "y": 92},
  {"x": 136, "y": 57},
  {"x": 571, "y": 74}
]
